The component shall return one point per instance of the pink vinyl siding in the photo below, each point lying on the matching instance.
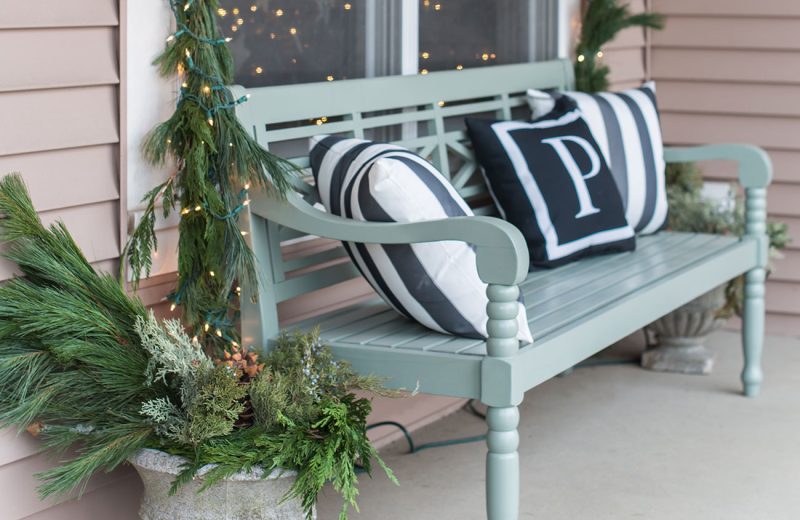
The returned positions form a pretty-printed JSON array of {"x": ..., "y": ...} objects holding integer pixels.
[
  {"x": 60, "y": 113},
  {"x": 729, "y": 70}
]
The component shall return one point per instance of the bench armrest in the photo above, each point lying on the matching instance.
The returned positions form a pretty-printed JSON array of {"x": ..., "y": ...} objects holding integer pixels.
[
  {"x": 502, "y": 254},
  {"x": 755, "y": 174},
  {"x": 755, "y": 167}
]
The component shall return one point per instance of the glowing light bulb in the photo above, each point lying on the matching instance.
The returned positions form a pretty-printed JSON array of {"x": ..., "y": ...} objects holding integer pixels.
[
  {"x": 348, "y": 6},
  {"x": 206, "y": 327},
  {"x": 211, "y": 274},
  {"x": 197, "y": 208},
  {"x": 172, "y": 308},
  {"x": 247, "y": 184},
  {"x": 219, "y": 333},
  {"x": 425, "y": 55},
  {"x": 170, "y": 38},
  {"x": 278, "y": 12},
  {"x": 254, "y": 8},
  {"x": 459, "y": 67},
  {"x": 440, "y": 103},
  {"x": 186, "y": 6},
  {"x": 206, "y": 89},
  {"x": 329, "y": 77},
  {"x": 259, "y": 70},
  {"x": 211, "y": 121},
  {"x": 423, "y": 71},
  {"x": 244, "y": 233},
  {"x": 293, "y": 30},
  {"x": 581, "y": 58},
  {"x": 599, "y": 54},
  {"x": 485, "y": 56},
  {"x": 185, "y": 211},
  {"x": 246, "y": 203},
  {"x": 228, "y": 39}
]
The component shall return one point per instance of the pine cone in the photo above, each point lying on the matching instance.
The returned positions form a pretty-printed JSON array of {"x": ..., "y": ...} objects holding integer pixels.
[{"x": 243, "y": 361}]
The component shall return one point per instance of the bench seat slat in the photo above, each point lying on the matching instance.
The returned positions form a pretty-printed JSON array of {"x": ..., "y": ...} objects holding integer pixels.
[
  {"x": 565, "y": 292},
  {"x": 570, "y": 309},
  {"x": 539, "y": 288},
  {"x": 557, "y": 297}
]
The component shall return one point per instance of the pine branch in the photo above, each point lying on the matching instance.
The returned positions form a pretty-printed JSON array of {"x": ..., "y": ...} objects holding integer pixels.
[{"x": 602, "y": 21}]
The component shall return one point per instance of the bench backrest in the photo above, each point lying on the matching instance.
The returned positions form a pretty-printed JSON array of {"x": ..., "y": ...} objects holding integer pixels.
[{"x": 422, "y": 112}]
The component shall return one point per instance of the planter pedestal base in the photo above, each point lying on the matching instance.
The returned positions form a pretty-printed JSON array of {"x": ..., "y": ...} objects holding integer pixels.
[
  {"x": 681, "y": 336},
  {"x": 689, "y": 358}
]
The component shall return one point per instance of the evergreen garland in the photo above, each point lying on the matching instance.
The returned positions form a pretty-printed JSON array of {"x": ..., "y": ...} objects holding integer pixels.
[
  {"x": 602, "y": 20},
  {"x": 84, "y": 366},
  {"x": 217, "y": 162}
]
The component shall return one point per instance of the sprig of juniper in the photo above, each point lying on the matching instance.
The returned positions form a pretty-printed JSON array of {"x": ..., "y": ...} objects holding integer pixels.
[
  {"x": 216, "y": 162},
  {"x": 602, "y": 21},
  {"x": 307, "y": 419}
]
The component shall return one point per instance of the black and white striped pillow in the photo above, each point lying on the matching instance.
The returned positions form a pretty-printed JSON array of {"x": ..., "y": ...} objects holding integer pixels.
[
  {"x": 435, "y": 283},
  {"x": 626, "y": 127}
]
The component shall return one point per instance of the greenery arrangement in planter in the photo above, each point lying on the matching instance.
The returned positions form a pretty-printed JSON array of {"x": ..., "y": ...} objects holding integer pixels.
[
  {"x": 681, "y": 334},
  {"x": 84, "y": 366}
]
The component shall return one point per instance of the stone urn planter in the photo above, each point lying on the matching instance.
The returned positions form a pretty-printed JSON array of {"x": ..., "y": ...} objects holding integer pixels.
[
  {"x": 244, "y": 496},
  {"x": 681, "y": 336}
]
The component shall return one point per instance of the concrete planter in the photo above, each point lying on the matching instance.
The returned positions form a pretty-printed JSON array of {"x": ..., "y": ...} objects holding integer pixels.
[
  {"x": 244, "y": 496},
  {"x": 682, "y": 334}
]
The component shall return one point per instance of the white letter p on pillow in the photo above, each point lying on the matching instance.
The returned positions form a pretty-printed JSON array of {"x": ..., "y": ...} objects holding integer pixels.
[{"x": 578, "y": 177}]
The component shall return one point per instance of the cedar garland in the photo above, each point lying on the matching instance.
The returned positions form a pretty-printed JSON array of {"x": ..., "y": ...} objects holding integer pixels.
[{"x": 217, "y": 162}]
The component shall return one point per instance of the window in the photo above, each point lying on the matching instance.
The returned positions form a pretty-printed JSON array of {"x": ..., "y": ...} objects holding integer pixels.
[{"x": 297, "y": 41}]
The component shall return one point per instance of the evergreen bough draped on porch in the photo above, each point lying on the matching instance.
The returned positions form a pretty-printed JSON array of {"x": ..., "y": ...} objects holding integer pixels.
[{"x": 216, "y": 163}]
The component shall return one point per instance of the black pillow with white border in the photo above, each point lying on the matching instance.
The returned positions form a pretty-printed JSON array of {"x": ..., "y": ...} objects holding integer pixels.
[
  {"x": 626, "y": 127},
  {"x": 548, "y": 178},
  {"x": 434, "y": 283}
]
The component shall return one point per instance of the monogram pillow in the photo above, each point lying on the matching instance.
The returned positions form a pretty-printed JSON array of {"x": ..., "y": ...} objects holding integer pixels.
[{"x": 549, "y": 178}]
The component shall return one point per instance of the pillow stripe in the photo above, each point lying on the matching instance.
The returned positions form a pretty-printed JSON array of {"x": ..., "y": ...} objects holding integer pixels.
[
  {"x": 616, "y": 147},
  {"x": 646, "y": 146},
  {"x": 435, "y": 283}
]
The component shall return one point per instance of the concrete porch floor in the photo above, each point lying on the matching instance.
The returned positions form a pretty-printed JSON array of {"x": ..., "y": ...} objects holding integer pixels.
[{"x": 615, "y": 442}]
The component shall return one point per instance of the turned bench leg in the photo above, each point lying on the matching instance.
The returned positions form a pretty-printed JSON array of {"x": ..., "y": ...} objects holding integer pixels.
[
  {"x": 502, "y": 464},
  {"x": 754, "y": 309},
  {"x": 502, "y": 460},
  {"x": 753, "y": 330}
]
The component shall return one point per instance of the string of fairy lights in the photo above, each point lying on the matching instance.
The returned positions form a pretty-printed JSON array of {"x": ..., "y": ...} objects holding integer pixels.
[
  {"x": 284, "y": 23},
  {"x": 216, "y": 321}
]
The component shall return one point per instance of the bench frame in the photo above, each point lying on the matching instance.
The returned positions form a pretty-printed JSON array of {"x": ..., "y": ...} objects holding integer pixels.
[{"x": 500, "y": 378}]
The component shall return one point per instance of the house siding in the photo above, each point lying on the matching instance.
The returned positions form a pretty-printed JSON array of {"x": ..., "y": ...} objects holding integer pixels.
[
  {"x": 729, "y": 71},
  {"x": 60, "y": 114}
]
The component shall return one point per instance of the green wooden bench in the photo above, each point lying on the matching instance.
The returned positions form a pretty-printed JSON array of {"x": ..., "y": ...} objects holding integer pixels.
[{"x": 574, "y": 311}]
